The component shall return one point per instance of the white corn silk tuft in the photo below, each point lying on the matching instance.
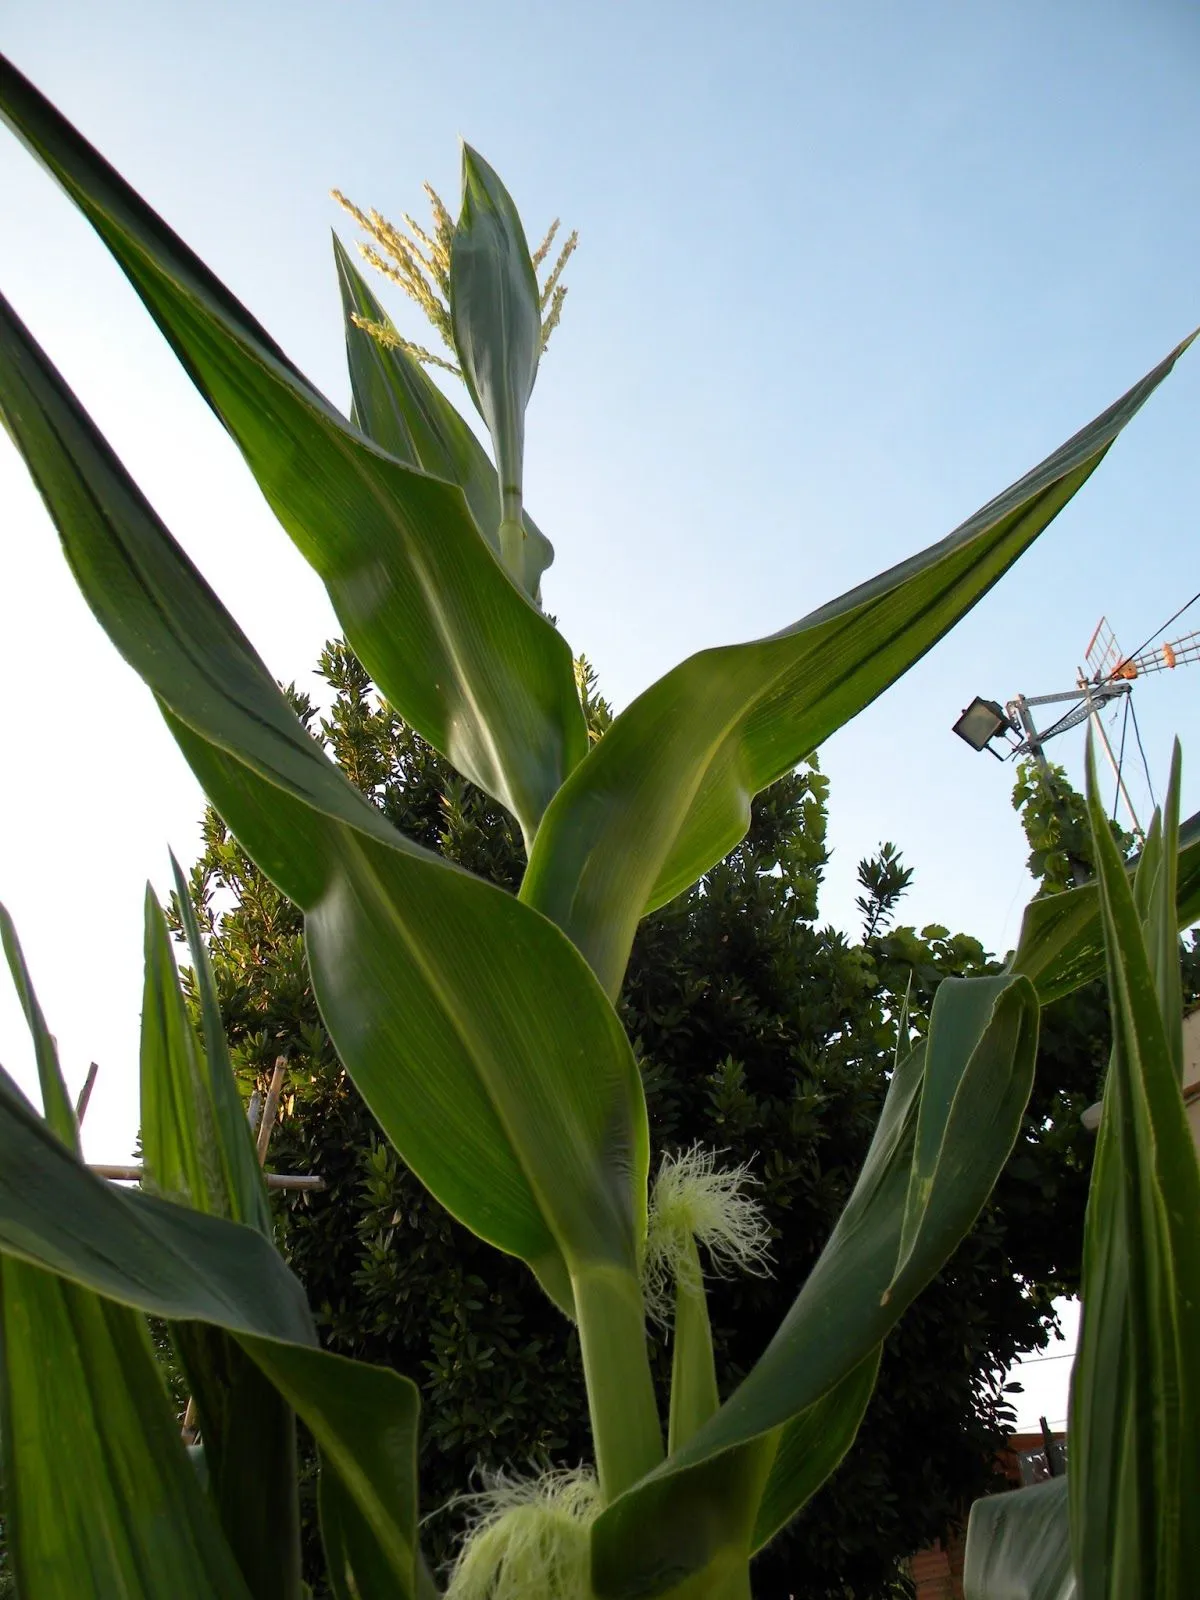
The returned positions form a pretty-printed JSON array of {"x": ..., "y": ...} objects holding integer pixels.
[
  {"x": 530, "y": 1539},
  {"x": 694, "y": 1199}
]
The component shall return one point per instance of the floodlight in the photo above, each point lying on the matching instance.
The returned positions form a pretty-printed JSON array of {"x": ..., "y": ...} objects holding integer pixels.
[{"x": 981, "y": 722}]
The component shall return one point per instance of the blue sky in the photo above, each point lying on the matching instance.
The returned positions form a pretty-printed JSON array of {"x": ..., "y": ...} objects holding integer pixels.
[{"x": 845, "y": 272}]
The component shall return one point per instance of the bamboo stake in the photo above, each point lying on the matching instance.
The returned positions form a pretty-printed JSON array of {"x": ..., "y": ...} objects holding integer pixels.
[
  {"x": 85, "y": 1094},
  {"x": 271, "y": 1109},
  {"x": 274, "y": 1180}
]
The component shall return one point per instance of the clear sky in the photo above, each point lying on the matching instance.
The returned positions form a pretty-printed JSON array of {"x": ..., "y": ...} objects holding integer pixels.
[{"x": 846, "y": 271}]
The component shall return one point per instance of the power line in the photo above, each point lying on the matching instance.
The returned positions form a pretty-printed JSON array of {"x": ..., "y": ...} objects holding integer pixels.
[{"x": 1145, "y": 764}]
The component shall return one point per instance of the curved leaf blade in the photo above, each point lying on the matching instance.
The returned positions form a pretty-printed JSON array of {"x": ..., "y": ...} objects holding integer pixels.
[
  {"x": 244, "y": 1187},
  {"x": 134, "y": 1248},
  {"x": 59, "y": 1222},
  {"x": 56, "y": 1102},
  {"x": 528, "y": 1123},
  {"x": 455, "y": 646},
  {"x": 397, "y": 406},
  {"x": 900, "y": 1225},
  {"x": 1135, "y": 1468},
  {"x": 246, "y": 1387},
  {"x": 1019, "y": 1545},
  {"x": 810, "y": 1449},
  {"x": 100, "y": 1497},
  {"x": 667, "y": 791},
  {"x": 182, "y": 1156},
  {"x": 195, "y": 1157},
  {"x": 364, "y": 1420}
]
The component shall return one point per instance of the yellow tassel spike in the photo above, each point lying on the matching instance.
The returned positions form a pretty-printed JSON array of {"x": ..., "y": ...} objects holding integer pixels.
[
  {"x": 419, "y": 264},
  {"x": 543, "y": 250}
]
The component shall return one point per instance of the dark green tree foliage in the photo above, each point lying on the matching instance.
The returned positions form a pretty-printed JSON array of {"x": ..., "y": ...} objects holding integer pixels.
[
  {"x": 883, "y": 879},
  {"x": 759, "y": 1033}
]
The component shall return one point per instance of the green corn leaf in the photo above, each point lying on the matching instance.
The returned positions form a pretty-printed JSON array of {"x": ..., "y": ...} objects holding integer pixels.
[
  {"x": 134, "y": 1248},
  {"x": 526, "y": 1121},
  {"x": 496, "y": 314},
  {"x": 195, "y": 1156},
  {"x": 397, "y": 406},
  {"x": 56, "y": 1102},
  {"x": 364, "y": 1420},
  {"x": 808, "y": 1449},
  {"x": 694, "y": 1394},
  {"x": 1135, "y": 1393},
  {"x": 667, "y": 791},
  {"x": 249, "y": 1433},
  {"x": 961, "y": 1092},
  {"x": 65, "y": 1235},
  {"x": 465, "y": 657},
  {"x": 100, "y": 1497},
  {"x": 1019, "y": 1546},
  {"x": 57, "y": 1219},
  {"x": 1061, "y": 945},
  {"x": 67, "y": 1356},
  {"x": 182, "y": 1155},
  {"x": 245, "y": 1190},
  {"x": 1156, "y": 895}
]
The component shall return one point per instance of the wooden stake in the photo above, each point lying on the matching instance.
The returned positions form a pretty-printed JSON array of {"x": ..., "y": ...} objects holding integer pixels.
[
  {"x": 85, "y": 1094},
  {"x": 275, "y": 1180},
  {"x": 270, "y": 1109}
]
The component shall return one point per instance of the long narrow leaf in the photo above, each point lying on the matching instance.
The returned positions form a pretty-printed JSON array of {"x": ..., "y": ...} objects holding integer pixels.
[
  {"x": 245, "y": 1189},
  {"x": 100, "y": 1497},
  {"x": 526, "y": 1121},
  {"x": 496, "y": 314},
  {"x": 1061, "y": 944},
  {"x": 667, "y": 791},
  {"x": 192, "y": 1154},
  {"x": 810, "y": 1448},
  {"x": 364, "y": 1420},
  {"x": 453, "y": 643},
  {"x": 1135, "y": 1396},
  {"x": 243, "y": 1330},
  {"x": 66, "y": 1356},
  {"x": 134, "y": 1248},
  {"x": 56, "y": 1102},
  {"x": 967, "y": 1103},
  {"x": 180, "y": 1265},
  {"x": 182, "y": 1155}
]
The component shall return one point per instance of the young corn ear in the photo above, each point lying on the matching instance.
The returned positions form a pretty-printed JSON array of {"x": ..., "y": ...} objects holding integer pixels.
[
  {"x": 694, "y": 1201},
  {"x": 530, "y": 1537}
]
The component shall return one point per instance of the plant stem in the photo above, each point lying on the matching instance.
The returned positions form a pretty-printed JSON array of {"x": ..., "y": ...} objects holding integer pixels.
[
  {"x": 626, "y": 1431},
  {"x": 694, "y": 1396},
  {"x": 512, "y": 542}
]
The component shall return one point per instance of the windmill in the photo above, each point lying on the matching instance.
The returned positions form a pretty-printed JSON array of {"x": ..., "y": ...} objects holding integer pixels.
[{"x": 1110, "y": 676}]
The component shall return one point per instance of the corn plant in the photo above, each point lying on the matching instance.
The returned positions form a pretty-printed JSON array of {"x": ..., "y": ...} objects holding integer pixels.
[
  {"x": 478, "y": 1025},
  {"x": 1121, "y": 1522}
]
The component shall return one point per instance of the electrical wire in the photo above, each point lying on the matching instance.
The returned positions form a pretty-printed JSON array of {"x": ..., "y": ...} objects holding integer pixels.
[
  {"x": 1121, "y": 756},
  {"x": 1145, "y": 764},
  {"x": 1155, "y": 635}
]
